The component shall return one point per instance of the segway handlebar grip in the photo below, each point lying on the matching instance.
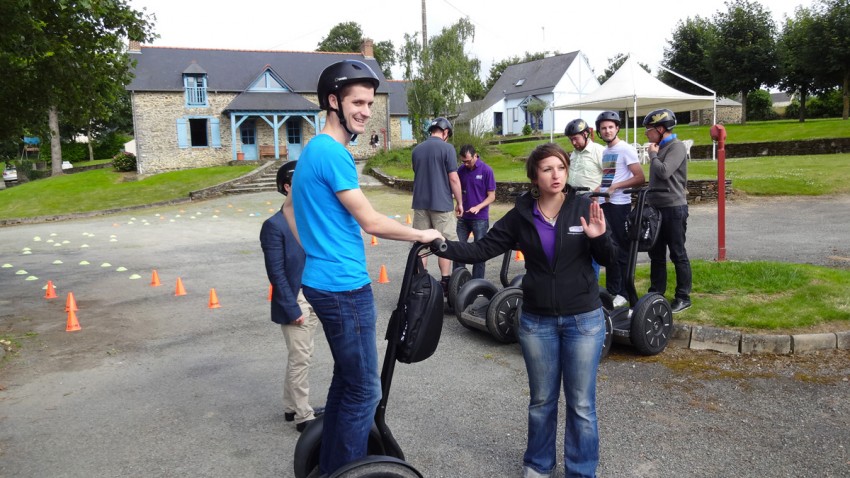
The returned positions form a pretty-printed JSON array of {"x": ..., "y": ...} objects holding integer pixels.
[{"x": 438, "y": 245}]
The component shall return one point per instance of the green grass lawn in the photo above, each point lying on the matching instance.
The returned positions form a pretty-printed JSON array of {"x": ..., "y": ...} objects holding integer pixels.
[{"x": 106, "y": 189}]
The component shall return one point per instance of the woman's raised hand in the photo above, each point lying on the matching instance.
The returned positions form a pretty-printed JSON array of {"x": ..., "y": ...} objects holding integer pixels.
[{"x": 596, "y": 227}]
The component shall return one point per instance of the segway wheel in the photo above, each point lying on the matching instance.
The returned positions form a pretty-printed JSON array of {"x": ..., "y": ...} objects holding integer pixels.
[
  {"x": 517, "y": 281},
  {"x": 309, "y": 445},
  {"x": 503, "y": 314},
  {"x": 377, "y": 467},
  {"x": 470, "y": 291},
  {"x": 652, "y": 324},
  {"x": 459, "y": 277},
  {"x": 609, "y": 334}
]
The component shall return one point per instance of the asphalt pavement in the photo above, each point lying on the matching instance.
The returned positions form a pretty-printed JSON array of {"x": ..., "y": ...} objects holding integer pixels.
[{"x": 160, "y": 385}]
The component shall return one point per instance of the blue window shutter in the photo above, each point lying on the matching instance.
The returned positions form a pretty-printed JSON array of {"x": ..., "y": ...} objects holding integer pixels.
[
  {"x": 214, "y": 133},
  {"x": 182, "y": 133}
]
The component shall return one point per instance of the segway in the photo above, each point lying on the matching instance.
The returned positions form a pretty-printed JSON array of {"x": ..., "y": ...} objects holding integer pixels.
[
  {"x": 480, "y": 305},
  {"x": 647, "y": 323},
  {"x": 384, "y": 455}
]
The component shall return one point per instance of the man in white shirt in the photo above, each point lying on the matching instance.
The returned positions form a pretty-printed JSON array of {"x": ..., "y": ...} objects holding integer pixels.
[{"x": 620, "y": 170}]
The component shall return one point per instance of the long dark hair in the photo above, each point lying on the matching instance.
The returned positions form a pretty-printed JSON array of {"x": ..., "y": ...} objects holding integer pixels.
[{"x": 542, "y": 152}]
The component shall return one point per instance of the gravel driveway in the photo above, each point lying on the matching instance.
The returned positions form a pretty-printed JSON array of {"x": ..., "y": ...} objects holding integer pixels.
[{"x": 162, "y": 386}]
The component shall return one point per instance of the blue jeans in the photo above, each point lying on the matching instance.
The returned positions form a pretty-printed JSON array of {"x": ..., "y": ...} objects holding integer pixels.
[
  {"x": 348, "y": 319},
  {"x": 674, "y": 226},
  {"x": 567, "y": 348},
  {"x": 615, "y": 217},
  {"x": 479, "y": 228}
]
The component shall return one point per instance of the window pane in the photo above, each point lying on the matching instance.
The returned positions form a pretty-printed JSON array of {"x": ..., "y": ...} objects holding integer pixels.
[{"x": 198, "y": 130}]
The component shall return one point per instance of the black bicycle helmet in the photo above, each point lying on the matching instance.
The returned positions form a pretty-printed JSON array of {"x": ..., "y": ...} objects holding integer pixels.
[
  {"x": 576, "y": 126},
  {"x": 342, "y": 73},
  {"x": 441, "y": 123},
  {"x": 284, "y": 176},
  {"x": 661, "y": 117},
  {"x": 608, "y": 116}
]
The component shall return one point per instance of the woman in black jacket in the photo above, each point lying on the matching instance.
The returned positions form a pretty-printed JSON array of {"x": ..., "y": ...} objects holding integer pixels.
[{"x": 562, "y": 326}]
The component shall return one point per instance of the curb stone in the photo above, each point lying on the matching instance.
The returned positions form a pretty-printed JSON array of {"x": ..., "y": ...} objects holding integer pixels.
[
  {"x": 806, "y": 343},
  {"x": 681, "y": 336},
  {"x": 712, "y": 338},
  {"x": 843, "y": 340},
  {"x": 773, "y": 344}
]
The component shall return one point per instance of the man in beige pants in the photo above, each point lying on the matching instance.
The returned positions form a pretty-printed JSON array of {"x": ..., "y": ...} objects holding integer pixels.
[{"x": 284, "y": 260}]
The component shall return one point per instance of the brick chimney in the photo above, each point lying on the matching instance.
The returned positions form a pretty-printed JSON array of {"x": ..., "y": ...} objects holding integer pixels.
[
  {"x": 135, "y": 46},
  {"x": 367, "y": 48}
]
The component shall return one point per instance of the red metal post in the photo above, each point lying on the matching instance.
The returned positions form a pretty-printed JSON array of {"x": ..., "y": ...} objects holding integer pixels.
[{"x": 718, "y": 134}]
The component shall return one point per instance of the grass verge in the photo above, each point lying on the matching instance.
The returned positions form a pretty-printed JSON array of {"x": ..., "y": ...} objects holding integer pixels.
[{"x": 106, "y": 189}]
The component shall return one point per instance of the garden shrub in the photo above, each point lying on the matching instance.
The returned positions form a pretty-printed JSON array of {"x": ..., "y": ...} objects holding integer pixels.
[
  {"x": 526, "y": 130},
  {"x": 124, "y": 161}
]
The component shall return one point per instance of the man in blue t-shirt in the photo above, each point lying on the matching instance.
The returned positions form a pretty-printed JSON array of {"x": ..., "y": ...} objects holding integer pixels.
[
  {"x": 478, "y": 187},
  {"x": 329, "y": 209}
]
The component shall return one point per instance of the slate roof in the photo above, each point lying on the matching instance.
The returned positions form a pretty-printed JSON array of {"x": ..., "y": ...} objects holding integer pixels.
[
  {"x": 161, "y": 68},
  {"x": 256, "y": 101},
  {"x": 541, "y": 76},
  {"x": 398, "y": 97}
]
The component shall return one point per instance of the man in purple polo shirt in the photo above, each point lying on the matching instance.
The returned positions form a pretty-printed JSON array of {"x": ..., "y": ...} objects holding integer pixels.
[{"x": 478, "y": 188}]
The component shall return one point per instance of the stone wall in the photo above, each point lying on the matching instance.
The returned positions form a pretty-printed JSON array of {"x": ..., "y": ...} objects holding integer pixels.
[
  {"x": 725, "y": 114},
  {"x": 395, "y": 134},
  {"x": 698, "y": 191},
  {"x": 777, "y": 148}
]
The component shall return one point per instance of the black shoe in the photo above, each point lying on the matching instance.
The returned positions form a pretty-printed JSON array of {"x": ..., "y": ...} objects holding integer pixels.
[
  {"x": 679, "y": 305},
  {"x": 302, "y": 426},
  {"x": 290, "y": 416}
]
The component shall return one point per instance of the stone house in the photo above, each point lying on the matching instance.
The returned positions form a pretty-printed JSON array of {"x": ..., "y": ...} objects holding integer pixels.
[
  {"x": 729, "y": 111},
  {"x": 204, "y": 107}
]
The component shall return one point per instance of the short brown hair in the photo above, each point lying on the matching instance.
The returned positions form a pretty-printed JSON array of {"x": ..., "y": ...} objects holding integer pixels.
[{"x": 542, "y": 152}]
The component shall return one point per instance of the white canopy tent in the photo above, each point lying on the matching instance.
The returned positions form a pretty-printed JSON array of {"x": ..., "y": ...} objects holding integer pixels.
[{"x": 631, "y": 88}]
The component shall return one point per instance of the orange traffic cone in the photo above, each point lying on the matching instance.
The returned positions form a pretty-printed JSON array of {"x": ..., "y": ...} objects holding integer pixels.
[
  {"x": 214, "y": 304},
  {"x": 51, "y": 292},
  {"x": 73, "y": 324},
  {"x": 374, "y": 241},
  {"x": 155, "y": 279},
  {"x": 270, "y": 292},
  {"x": 408, "y": 220},
  {"x": 180, "y": 289},
  {"x": 382, "y": 278},
  {"x": 70, "y": 303},
  {"x": 519, "y": 257}
]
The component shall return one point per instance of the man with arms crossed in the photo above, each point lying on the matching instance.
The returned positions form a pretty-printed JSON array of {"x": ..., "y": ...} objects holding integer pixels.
[
  {"x": 329, "y": 209},
  {"x": 478, "y": 186}
]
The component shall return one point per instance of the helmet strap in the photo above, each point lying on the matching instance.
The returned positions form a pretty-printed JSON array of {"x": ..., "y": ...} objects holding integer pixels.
[{"x": 341, "y": 116}]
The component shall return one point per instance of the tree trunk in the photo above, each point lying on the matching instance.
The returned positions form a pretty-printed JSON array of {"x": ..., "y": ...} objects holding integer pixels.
[
  {"x": 846, "y": 111},
  {"x": 91, "y": 148},
  {"x": 803, "y": 96},
  {"x": 55, "y": 144},
  {"x": 744, "y": 107}
]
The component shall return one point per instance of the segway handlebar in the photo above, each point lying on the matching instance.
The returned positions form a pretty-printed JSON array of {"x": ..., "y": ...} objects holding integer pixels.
[
  {"x": 438, "y": 245},
  {"x": 649, "y": 190}
]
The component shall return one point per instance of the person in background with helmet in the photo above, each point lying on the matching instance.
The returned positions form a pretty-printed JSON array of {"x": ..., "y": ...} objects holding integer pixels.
[
  {"x": 478, "y": 186},
  {"x": 585, "y": 161},
  {"x": 669, "y": 169},
  {"x": 620, "y": 170},
  {"x": 284, "y": 260},
  {"x": 329, "y": 209},
  {"x": 435, "y": 181}
]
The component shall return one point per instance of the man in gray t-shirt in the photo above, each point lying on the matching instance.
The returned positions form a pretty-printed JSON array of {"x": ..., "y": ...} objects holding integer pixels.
[{"x": 435, "y": 181}]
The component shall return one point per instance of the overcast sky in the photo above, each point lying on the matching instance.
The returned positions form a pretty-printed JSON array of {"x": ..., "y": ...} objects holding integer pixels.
[{"x": 600, "y": 29}]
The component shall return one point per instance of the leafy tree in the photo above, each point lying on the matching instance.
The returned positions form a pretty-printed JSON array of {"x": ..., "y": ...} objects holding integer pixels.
[
  {"x": 834, "y": 46},
  {"x": 615, "y": 63},
  {"x": 499, "y": 67},
  {"x": 797, "y": 51},
  {"x": 686, "y": 54},
  {"x": 760, "y": 106},
  {"x": 743, "y": 53},
  {"x": 74, "y": 54},
  {"x": 535, "y": 108},
  {"x": 440, "y": 75},
  {"x": 348, "y": 37}
]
